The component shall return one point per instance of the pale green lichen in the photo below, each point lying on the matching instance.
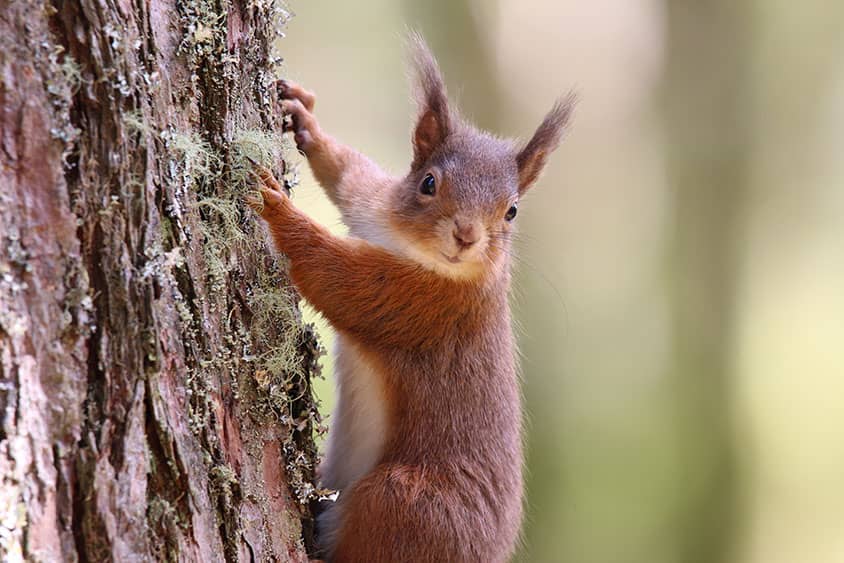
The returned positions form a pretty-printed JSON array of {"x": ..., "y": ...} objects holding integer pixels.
[
  {"x": 200, "y": 167},
  {"x": 227, "y": 229},
  {"x": 161, "y": 511},
  {"x": 199, "y": 403},
  {"x": 203, "y": 44},
  {"x": 164, "y": 517},
  {"x": 199, "y": 161},
  {"x": 223, "y": 482},
  {"x": 63, "y": 78},
  {"x": 134, "y": 121},
  {"x": 248, "y": 146},
  {"x": 275, "y": 312},
  {"x": 72, "y": 73}
]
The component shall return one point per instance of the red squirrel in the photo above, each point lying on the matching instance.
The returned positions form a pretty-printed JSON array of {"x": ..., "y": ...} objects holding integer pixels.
[{"x": 425, "y": 446}]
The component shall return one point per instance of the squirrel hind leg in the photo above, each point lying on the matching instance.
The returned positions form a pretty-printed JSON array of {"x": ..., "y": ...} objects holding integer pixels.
[{"x": 397, "y": 514}]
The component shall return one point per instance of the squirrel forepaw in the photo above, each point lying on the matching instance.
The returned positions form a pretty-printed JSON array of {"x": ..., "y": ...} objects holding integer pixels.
[
  {"x": 288, "y": 90},
  {"x": 297, "y": 105},
  {"x": 272, "y": 198}
]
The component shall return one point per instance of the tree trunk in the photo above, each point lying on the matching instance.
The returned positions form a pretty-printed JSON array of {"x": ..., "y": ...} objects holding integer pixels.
[{"x": 154, "y": 368}]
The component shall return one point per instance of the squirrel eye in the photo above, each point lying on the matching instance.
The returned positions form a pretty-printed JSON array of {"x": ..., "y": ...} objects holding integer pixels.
[
  {"x": 511, "y": 213},
  {"x": 428, "y": 186}
]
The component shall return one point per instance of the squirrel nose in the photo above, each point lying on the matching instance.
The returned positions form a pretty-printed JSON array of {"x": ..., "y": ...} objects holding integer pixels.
[{"x": 465, "y": 234}]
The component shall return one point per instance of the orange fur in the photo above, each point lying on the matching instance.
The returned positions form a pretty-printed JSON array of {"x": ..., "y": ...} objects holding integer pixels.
[{"x": 419, "y": 292}]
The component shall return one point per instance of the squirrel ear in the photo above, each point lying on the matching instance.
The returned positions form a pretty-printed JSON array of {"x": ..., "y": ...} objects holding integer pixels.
[
  {"x": 434, "y": 121},
  {"x": 532, "y": 157}
]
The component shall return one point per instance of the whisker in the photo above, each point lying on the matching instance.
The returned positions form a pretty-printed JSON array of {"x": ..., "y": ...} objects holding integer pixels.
[{"x": 496, "y": 244}]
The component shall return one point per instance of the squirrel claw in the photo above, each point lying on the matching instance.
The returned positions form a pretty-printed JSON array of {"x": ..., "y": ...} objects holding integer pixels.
[
  {"x": 255, "y": 202},
  {"x": 296, "y": 106},
  {"x": 287, "y": 123},
  {"x": 268, "y": 181},
  {"x": 291, "y": 91}
]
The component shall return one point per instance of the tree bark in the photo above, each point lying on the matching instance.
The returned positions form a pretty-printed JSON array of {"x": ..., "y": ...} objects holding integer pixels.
[{"x": 154, "y": 369}]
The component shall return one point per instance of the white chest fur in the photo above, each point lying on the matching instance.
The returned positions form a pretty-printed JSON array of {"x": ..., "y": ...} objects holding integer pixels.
[{"x": 359, "y": 422}]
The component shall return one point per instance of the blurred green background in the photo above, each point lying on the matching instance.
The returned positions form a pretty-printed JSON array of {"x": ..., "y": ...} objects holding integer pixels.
[{"x": 680, "y": 292}]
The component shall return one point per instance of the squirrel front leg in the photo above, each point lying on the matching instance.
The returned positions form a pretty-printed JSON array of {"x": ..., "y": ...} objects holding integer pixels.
[
  {"x": 360, "y": 288},
  {"x": 349, "y": 178}
]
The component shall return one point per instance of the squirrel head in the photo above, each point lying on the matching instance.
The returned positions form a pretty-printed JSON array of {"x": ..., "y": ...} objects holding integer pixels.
[{"x": 455, "y": 210}]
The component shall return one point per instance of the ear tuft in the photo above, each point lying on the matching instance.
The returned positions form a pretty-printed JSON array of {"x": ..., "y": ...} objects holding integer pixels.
[
  {"x": 434, "y": 121},
  {"x": 532, "y": 157}
]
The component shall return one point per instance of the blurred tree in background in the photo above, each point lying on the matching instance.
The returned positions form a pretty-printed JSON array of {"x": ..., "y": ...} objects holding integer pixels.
[{"x": 706, "y": 117}]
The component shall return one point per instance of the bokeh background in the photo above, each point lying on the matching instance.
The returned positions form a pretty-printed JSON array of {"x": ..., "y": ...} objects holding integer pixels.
[{"x": 680, "y": 290}]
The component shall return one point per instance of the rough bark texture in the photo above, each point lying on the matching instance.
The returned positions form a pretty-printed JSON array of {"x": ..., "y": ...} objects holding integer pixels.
[{"x": 154, "y": 400}]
